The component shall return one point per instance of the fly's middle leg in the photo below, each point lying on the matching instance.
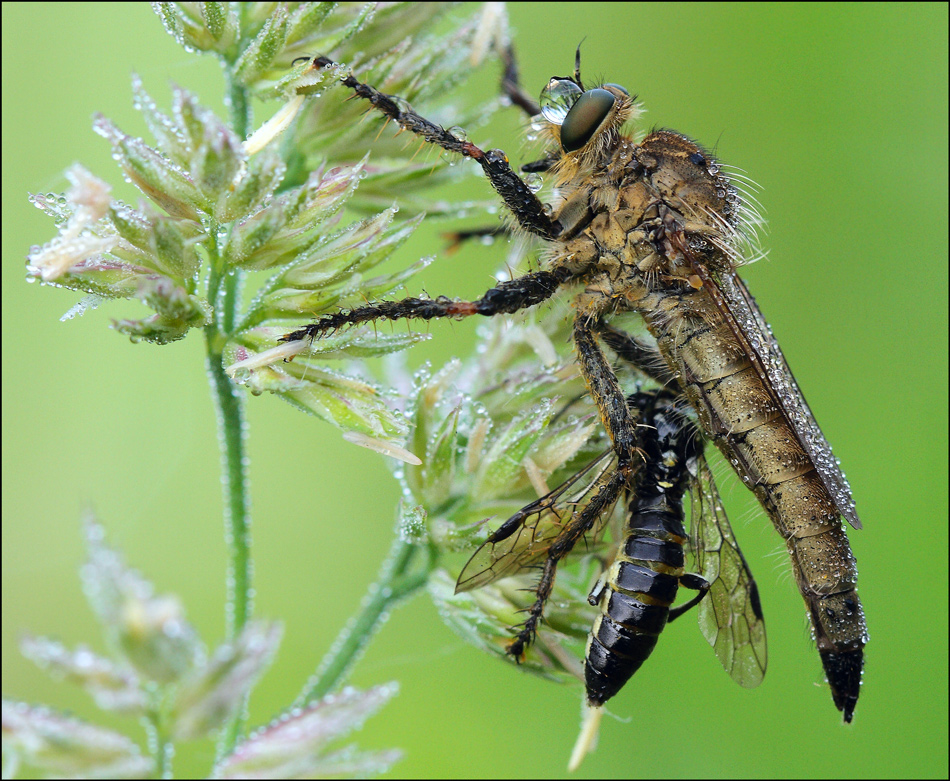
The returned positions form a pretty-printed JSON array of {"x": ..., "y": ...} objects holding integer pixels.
[{"x": 504, "y": 298}]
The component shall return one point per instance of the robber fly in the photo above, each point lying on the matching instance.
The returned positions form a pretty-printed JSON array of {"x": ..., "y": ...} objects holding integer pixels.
[{"x": 655, "y": 227}]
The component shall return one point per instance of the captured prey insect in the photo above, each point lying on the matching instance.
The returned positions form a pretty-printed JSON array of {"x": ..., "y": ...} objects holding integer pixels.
[
  {"x": 655, "y": 227},
  {"x": 637, "y": 591}
]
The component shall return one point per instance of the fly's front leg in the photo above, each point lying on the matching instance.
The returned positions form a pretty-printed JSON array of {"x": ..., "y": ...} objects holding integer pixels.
[
  {"x": 524, "y": 205},
  {"x": 512, "y": 89},
  {"x": 504, "y": 298},
  {"x": 511, "y": 83}
]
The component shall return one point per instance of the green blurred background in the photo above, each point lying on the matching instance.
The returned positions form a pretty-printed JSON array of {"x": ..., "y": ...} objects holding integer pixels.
[{"x": 839, "y": 112}]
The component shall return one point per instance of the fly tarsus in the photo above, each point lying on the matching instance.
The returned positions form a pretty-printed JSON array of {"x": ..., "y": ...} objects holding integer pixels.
[{"x": 504, "y": 298}]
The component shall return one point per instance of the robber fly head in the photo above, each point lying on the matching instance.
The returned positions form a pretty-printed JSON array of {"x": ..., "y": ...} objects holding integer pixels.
[
  {"x": 583, "y": 121},
  {"x": 577, "y": 116}
]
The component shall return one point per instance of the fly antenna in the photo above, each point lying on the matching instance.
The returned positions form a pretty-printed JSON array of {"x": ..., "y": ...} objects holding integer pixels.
[{"x": 577, "y": 64}]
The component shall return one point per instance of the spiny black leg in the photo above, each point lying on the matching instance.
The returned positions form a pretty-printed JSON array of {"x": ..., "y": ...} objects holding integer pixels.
[
  {"x": 512, "y": 89},
  {"x": 573, "y": 531},
  {"x": 524, "y": 205},
  {"x": 504, "y": 298},
  {"x": 605, "y": 391},
  {"x": 640, "y": 355}
]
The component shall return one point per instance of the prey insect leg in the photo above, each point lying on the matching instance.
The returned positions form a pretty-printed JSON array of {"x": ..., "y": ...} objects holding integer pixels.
[
  {"x": 523, "y": 204},
  {"x": 642, "y": 356},
  {"x": 579, "y": 524},
  {"x": 694, "y": 582}
]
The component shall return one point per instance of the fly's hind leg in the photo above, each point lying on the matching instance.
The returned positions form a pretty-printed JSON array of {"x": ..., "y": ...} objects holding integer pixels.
[
  {"x": 599, "y": 376},
  {"x": 644, "y": 357},
  {"x": 621, "y": 427}
]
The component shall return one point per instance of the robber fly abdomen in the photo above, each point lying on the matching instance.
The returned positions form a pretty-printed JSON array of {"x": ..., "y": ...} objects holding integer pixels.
[
  {"x": 642, "y": 582},
  {"x": 737, "y": 411},
  {"x": 664, "y": 226}
]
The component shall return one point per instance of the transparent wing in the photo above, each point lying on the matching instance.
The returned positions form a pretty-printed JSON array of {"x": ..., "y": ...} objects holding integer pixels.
[
  {"x": 742, "y": 312},
  {"x": 730, "y": 616},
  {"x": 523, "y": 540}
]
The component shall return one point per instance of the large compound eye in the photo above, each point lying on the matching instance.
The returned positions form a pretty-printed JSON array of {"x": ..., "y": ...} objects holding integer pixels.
[{"x": 584, "y": 118}]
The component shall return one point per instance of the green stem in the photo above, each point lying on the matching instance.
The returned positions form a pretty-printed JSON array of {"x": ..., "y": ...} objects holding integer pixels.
[
  {"x": 159, "y": 741},
  {"x": 224, "y": 296},
  {"x": 394, "y": 584},
  {"x": 232, "y": 434}
]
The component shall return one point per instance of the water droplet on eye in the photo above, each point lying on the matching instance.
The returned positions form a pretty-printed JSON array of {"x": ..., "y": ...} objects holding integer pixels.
[{"x": 557, "y": 99}]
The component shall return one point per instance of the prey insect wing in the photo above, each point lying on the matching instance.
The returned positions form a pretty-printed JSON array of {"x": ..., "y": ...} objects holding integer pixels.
[
  {"x": 730, "y": 616},
  {"x": 523, "y": 541}
]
